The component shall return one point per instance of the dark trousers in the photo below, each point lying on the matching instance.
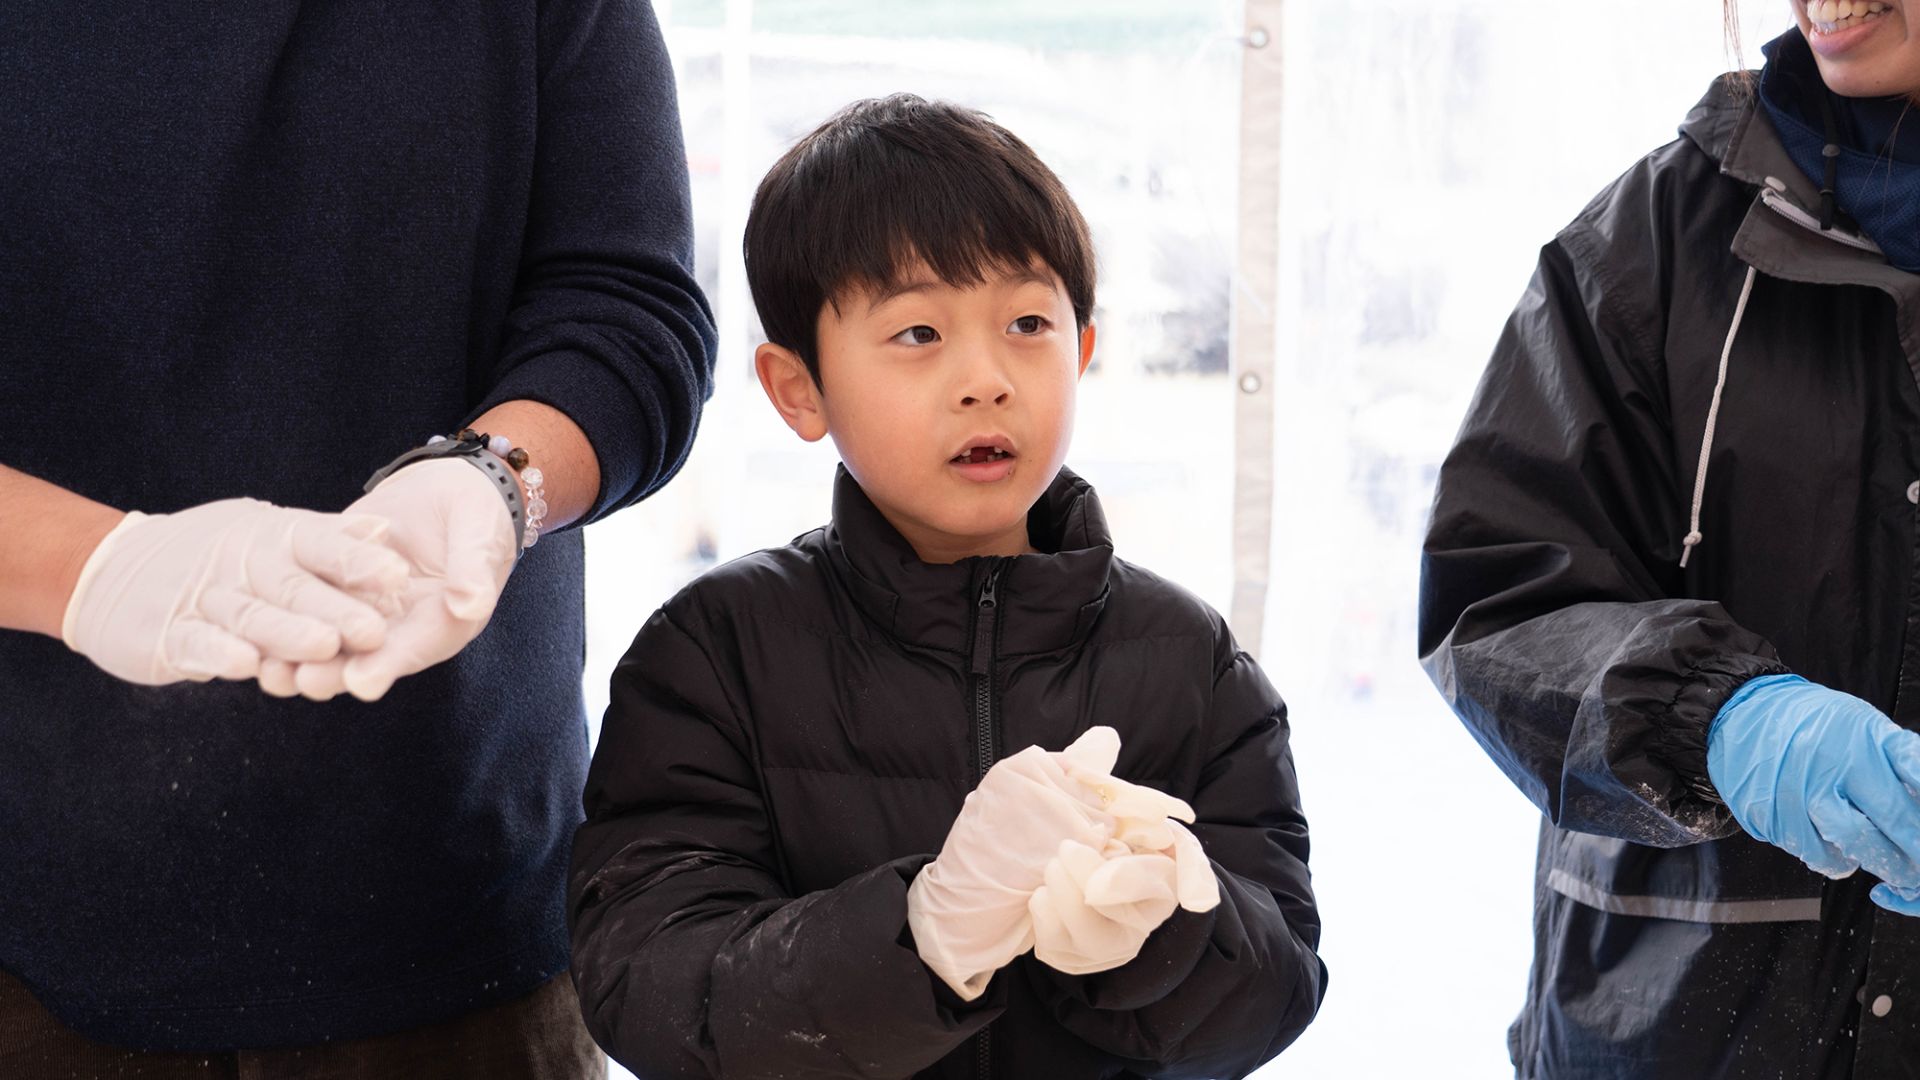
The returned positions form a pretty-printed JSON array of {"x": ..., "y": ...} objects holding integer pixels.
[{"x": 538, "y": 1037}]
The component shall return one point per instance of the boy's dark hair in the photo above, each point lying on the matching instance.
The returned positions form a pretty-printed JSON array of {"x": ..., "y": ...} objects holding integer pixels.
[{"x": 891, "y": 181}]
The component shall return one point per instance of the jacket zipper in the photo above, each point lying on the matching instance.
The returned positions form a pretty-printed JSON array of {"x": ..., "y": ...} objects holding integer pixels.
[{"x": 986, "y": 618}]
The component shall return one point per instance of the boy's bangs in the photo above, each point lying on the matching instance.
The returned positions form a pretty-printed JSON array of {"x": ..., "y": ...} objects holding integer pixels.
[
  {"x": 964, "y": 230},
  {"x": 960, "y": 261}
]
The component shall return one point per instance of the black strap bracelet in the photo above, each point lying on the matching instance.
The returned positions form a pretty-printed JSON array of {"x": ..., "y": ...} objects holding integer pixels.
[{"x": 473, "y": 451}]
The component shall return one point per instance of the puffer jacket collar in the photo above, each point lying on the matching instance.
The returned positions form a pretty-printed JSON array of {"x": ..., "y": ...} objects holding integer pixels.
[{"x": 1048, "y": 602}]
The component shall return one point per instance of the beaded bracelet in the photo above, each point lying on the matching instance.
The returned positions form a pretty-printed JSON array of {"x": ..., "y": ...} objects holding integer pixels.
[
  {"x": 502, "y": 447},
  {"x": 531, "y": 476}
]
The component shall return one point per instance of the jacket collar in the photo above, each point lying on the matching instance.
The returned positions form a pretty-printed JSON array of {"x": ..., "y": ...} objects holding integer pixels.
[
  {"x": 1778, "y": 240},
  {"x": 1046, "y": 602}
]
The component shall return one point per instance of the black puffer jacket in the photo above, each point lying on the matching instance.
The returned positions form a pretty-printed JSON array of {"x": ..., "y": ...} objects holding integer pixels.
[
  {"x": 789, "y": 740},
  {"x": 1557, "y": 620}
]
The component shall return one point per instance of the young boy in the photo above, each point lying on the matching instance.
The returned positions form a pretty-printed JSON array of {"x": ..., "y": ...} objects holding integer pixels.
[{"x": 793, "y": 738}]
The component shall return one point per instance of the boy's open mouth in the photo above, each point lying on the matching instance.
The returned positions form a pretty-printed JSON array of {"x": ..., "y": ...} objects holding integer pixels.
[{"x": 980, "y": 454}]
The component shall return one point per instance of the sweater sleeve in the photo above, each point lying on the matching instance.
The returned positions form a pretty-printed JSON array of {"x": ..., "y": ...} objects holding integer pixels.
[
  {"x": 1219, "y": 993},
  {"x": 691, "y": 958},
  {"x": 608, "y": 324},
  {"x": 1553, "y": 613}
]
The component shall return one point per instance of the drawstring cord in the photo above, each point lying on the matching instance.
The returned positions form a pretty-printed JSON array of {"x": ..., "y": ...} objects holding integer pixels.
[
  {"x": 1831, "y": 152},
  {"x": 1713, "y": 417}
]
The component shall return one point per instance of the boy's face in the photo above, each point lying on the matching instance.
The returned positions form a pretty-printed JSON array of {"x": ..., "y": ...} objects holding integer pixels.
[{"x": 952, "y": 406}]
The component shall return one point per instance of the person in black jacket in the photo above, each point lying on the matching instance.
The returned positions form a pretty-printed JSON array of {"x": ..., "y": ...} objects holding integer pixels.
[
  {"x": 1670, "y": 583},
  {"x": 793, "y": 738}
]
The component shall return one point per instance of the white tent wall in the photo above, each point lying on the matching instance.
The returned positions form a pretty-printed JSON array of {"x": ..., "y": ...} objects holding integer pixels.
[{"x": 1429, "y": 150}]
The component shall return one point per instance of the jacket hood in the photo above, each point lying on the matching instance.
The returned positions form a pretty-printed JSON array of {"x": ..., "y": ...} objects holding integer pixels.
[
  {"x": 1730, "y": 126},
  {"x": 1051, "y": 599}
]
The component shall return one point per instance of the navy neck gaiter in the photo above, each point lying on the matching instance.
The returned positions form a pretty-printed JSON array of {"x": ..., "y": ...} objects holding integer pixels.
[{"x": 1877, "y": 182}]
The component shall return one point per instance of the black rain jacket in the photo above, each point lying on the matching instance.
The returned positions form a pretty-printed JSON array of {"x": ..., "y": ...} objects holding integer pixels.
[
  {"x": 789, "y": 740},
  {"x": 1556, "y": 619}
]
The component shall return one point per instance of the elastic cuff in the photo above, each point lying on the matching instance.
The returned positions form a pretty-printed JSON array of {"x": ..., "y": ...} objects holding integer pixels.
[
  {"x": 1679, "y": 740},
  {"x": 89, "y": 570}
]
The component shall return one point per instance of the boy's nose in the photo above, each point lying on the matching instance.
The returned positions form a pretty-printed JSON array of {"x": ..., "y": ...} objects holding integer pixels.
[{"x": 985, "y": 382}]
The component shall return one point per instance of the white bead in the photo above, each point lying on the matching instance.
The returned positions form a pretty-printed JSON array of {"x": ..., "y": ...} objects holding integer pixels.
[
  {"x": 533, "y": 478},
  {"x": 536, "y": 508},
  {"x": 499, "y": 445},
  {"x": 436, "y": 439},
  {"x": 533, "y": 536}
]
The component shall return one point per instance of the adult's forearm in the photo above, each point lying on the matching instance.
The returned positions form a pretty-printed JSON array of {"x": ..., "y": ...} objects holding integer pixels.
[
  {"x": 50, "y": 533},
  {"x": 556, "y": 445}
]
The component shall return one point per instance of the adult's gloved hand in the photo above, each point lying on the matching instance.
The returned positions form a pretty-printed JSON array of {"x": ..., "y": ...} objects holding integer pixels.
[
  {"x": 967, "y": 908},
  {"x": 1824, "y": 776},
  {"x": 1098, "y": 907},
  {"x": 458, "y": 540},
  {"x": 208, "y": 592}
]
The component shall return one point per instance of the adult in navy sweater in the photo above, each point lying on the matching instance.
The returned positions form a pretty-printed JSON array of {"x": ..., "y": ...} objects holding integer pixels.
[{"x": 258, "y": 249}]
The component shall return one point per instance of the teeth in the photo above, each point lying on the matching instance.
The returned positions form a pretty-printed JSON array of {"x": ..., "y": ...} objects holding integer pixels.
[{"x": 1829, "y": 16}]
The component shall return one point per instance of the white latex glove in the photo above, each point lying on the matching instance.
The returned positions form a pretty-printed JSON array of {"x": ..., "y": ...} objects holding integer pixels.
[
  {"x": 1098, "y": 906},
  {"x": 207, "y": 592},
  {"x": 457, "y": 537},
  {"x": 968, "y": 907}
]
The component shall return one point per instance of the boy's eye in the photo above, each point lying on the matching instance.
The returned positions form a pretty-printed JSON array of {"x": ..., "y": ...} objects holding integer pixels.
[
  {"x": 917, "y": 335},
  {"x": 1028, "y": 324}
]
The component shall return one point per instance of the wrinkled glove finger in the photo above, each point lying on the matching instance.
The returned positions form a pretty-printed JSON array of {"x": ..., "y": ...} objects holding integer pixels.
[
  {"x": 1894, "y": 813},
  {"x": 1194, "y": 879},
  {"x": 349, "y": 552},
  {"x": 323, "y": 681},
  {"x": 1069, "y": 934},
  {"x": 1903, "y": 754},
  {"x": 271, "y": 630},
  {"x": 1134, "y": 890},
  {"x": 361, "y": 626},
  {"x": 276, "y": 677},
  {"x": 1860, "y": 844},
  {"x": 201, "y": 652},
  {"x": 427, "y": 634},
  {"x": 1096, "y": 751},
  {"x": 1900, "y": 901}
]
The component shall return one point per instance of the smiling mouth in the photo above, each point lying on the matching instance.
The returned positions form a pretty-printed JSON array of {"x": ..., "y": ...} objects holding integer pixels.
[
  {"x": 1833, "y": 16},
  {"x": 980, "y": 455}
]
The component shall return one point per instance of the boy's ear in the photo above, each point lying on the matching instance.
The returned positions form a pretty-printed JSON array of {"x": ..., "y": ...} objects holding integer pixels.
[
  {"x": 1086, "y": 348},
  {"x": 790, "y": 387}
]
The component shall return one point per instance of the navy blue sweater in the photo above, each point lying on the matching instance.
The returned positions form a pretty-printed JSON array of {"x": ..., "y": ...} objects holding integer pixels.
[{"x": 258, "y": 247}]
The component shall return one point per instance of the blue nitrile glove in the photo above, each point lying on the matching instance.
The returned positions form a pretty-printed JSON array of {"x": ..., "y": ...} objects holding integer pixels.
[{"x": 1825, "y": 777}]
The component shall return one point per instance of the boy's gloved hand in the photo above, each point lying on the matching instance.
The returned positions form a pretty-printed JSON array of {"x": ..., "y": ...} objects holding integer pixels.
[
  {"x": 1097, "y": 907},
  {"x": 207, "y": 592},
  {"x": 458, "y": 540},
  {"x": 1824, "y": 776},
  {"x": 967, "y": 909}
]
